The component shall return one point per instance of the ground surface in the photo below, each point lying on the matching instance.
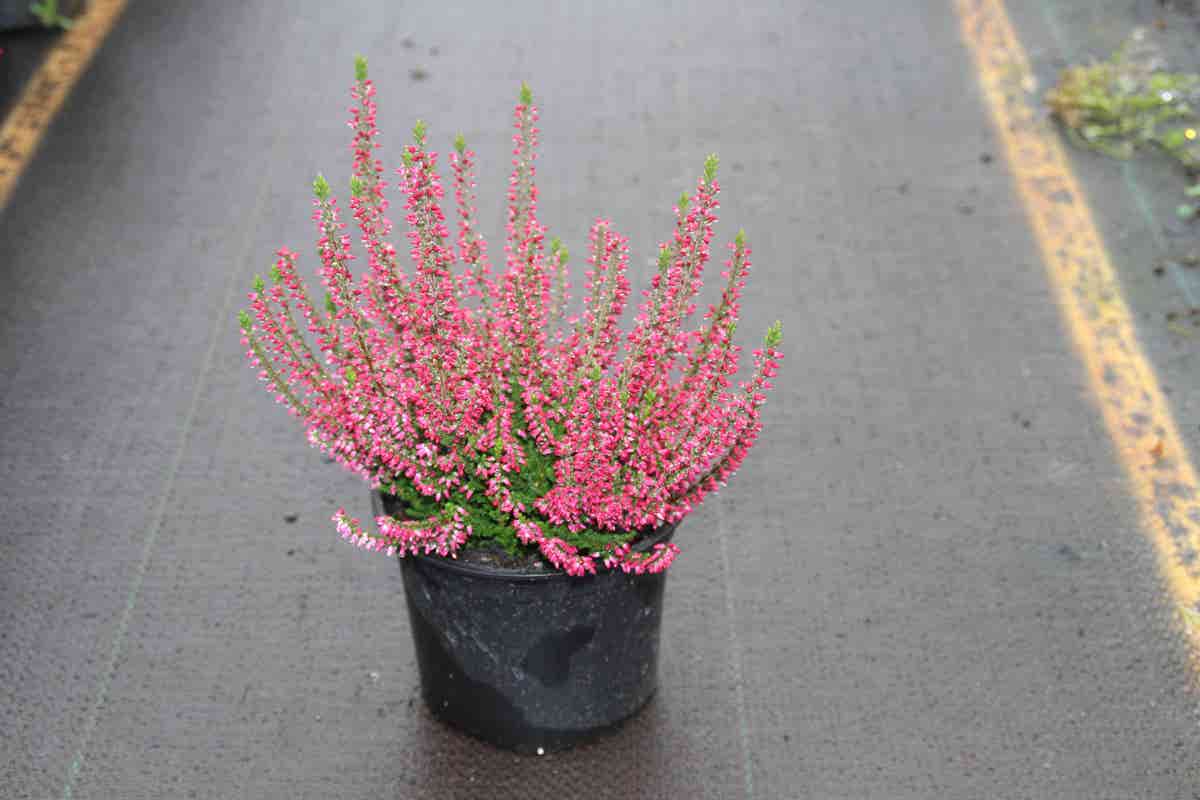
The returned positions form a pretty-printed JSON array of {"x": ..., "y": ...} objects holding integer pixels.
[
  {"x": 928, "y": 581},
  {"x": 1135, "y": 200},
  {"x": 24, "y": 50}
]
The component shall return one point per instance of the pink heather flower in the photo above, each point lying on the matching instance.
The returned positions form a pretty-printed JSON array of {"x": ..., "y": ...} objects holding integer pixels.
[{"x": 439, "y": 374}]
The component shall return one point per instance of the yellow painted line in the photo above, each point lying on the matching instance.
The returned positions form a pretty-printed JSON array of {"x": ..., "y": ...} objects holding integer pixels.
[
  {"x": 28, "y": 120},
  {"x": 1136, "y": 413}
]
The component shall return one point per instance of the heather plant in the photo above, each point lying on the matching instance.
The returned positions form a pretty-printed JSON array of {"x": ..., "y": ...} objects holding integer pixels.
[{"x": 472, "y": 397}]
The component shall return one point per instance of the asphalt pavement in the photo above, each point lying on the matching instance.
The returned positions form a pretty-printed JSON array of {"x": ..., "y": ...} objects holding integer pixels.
[{"x": 928, "y": 580}]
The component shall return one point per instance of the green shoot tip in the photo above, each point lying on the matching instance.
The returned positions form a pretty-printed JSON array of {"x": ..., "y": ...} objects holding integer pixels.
[
  {"x": 460, "y": 144},
  {"x": 683, "y": 202},
  {"x": 664, "y": 258},
  {"x": 526, "y": 94},
  {"x": 710, "y": 168},
  {"x": 259, "y": 284},
  {"x": 419, "y": 133},
  {"x": 360, "y": 68},
  {"x": 245, "y": 320},
  {"x": 739, "y": 241},
  {"x": 320, "y": 187},
  {"x": 774, "y": 335}
]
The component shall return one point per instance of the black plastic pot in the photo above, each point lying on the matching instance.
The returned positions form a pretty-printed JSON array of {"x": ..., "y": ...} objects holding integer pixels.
[{"x": 534, "y": 662}]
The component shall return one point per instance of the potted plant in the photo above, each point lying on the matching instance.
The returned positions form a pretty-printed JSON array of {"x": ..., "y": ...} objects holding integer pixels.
[{"x": 530, "y": 468}]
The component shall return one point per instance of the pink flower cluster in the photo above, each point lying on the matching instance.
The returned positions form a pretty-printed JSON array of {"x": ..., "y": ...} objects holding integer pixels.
[
  {"x": 450, "y": 378},
  {"x": 442, "y": 538}
]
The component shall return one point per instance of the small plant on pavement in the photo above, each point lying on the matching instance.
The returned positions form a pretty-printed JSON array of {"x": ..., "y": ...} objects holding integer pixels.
[
  {"x": 48, "y": 14},
  {"x": 1131, "y": 102},
  {"x": 470, "y": 395}
]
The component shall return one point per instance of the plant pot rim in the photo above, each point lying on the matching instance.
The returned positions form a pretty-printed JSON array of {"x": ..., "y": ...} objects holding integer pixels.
[{"x": 645, "y": 543}]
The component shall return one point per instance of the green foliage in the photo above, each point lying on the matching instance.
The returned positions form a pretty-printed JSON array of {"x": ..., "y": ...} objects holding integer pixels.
[
  {"x": 360, "y": 68},
  {"x": 1115, "y": 109},
  {"x": 774, "y": 335},
  {"x": 664, "y": 258},
  {"x": 683, "y": 203},
  {"x": 493, "y": 527},
  {"x": 47, "y": 13},
  {"x": 419, "y": 130},
  {"x": 558, "y": 251},
  {"x": 647, "y": 405},
  {"x": 460, "y": 144},
  {"x": 260, "y": 285},
  {"x": 710, "y": 168},
  {"x": 526, "y": 94},
  {"x": 1129, "y": 103},
  {"x": 321, "y": 187},
  {"x": 245, "y": 321},
  {"x": 739, "y": 241}
]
